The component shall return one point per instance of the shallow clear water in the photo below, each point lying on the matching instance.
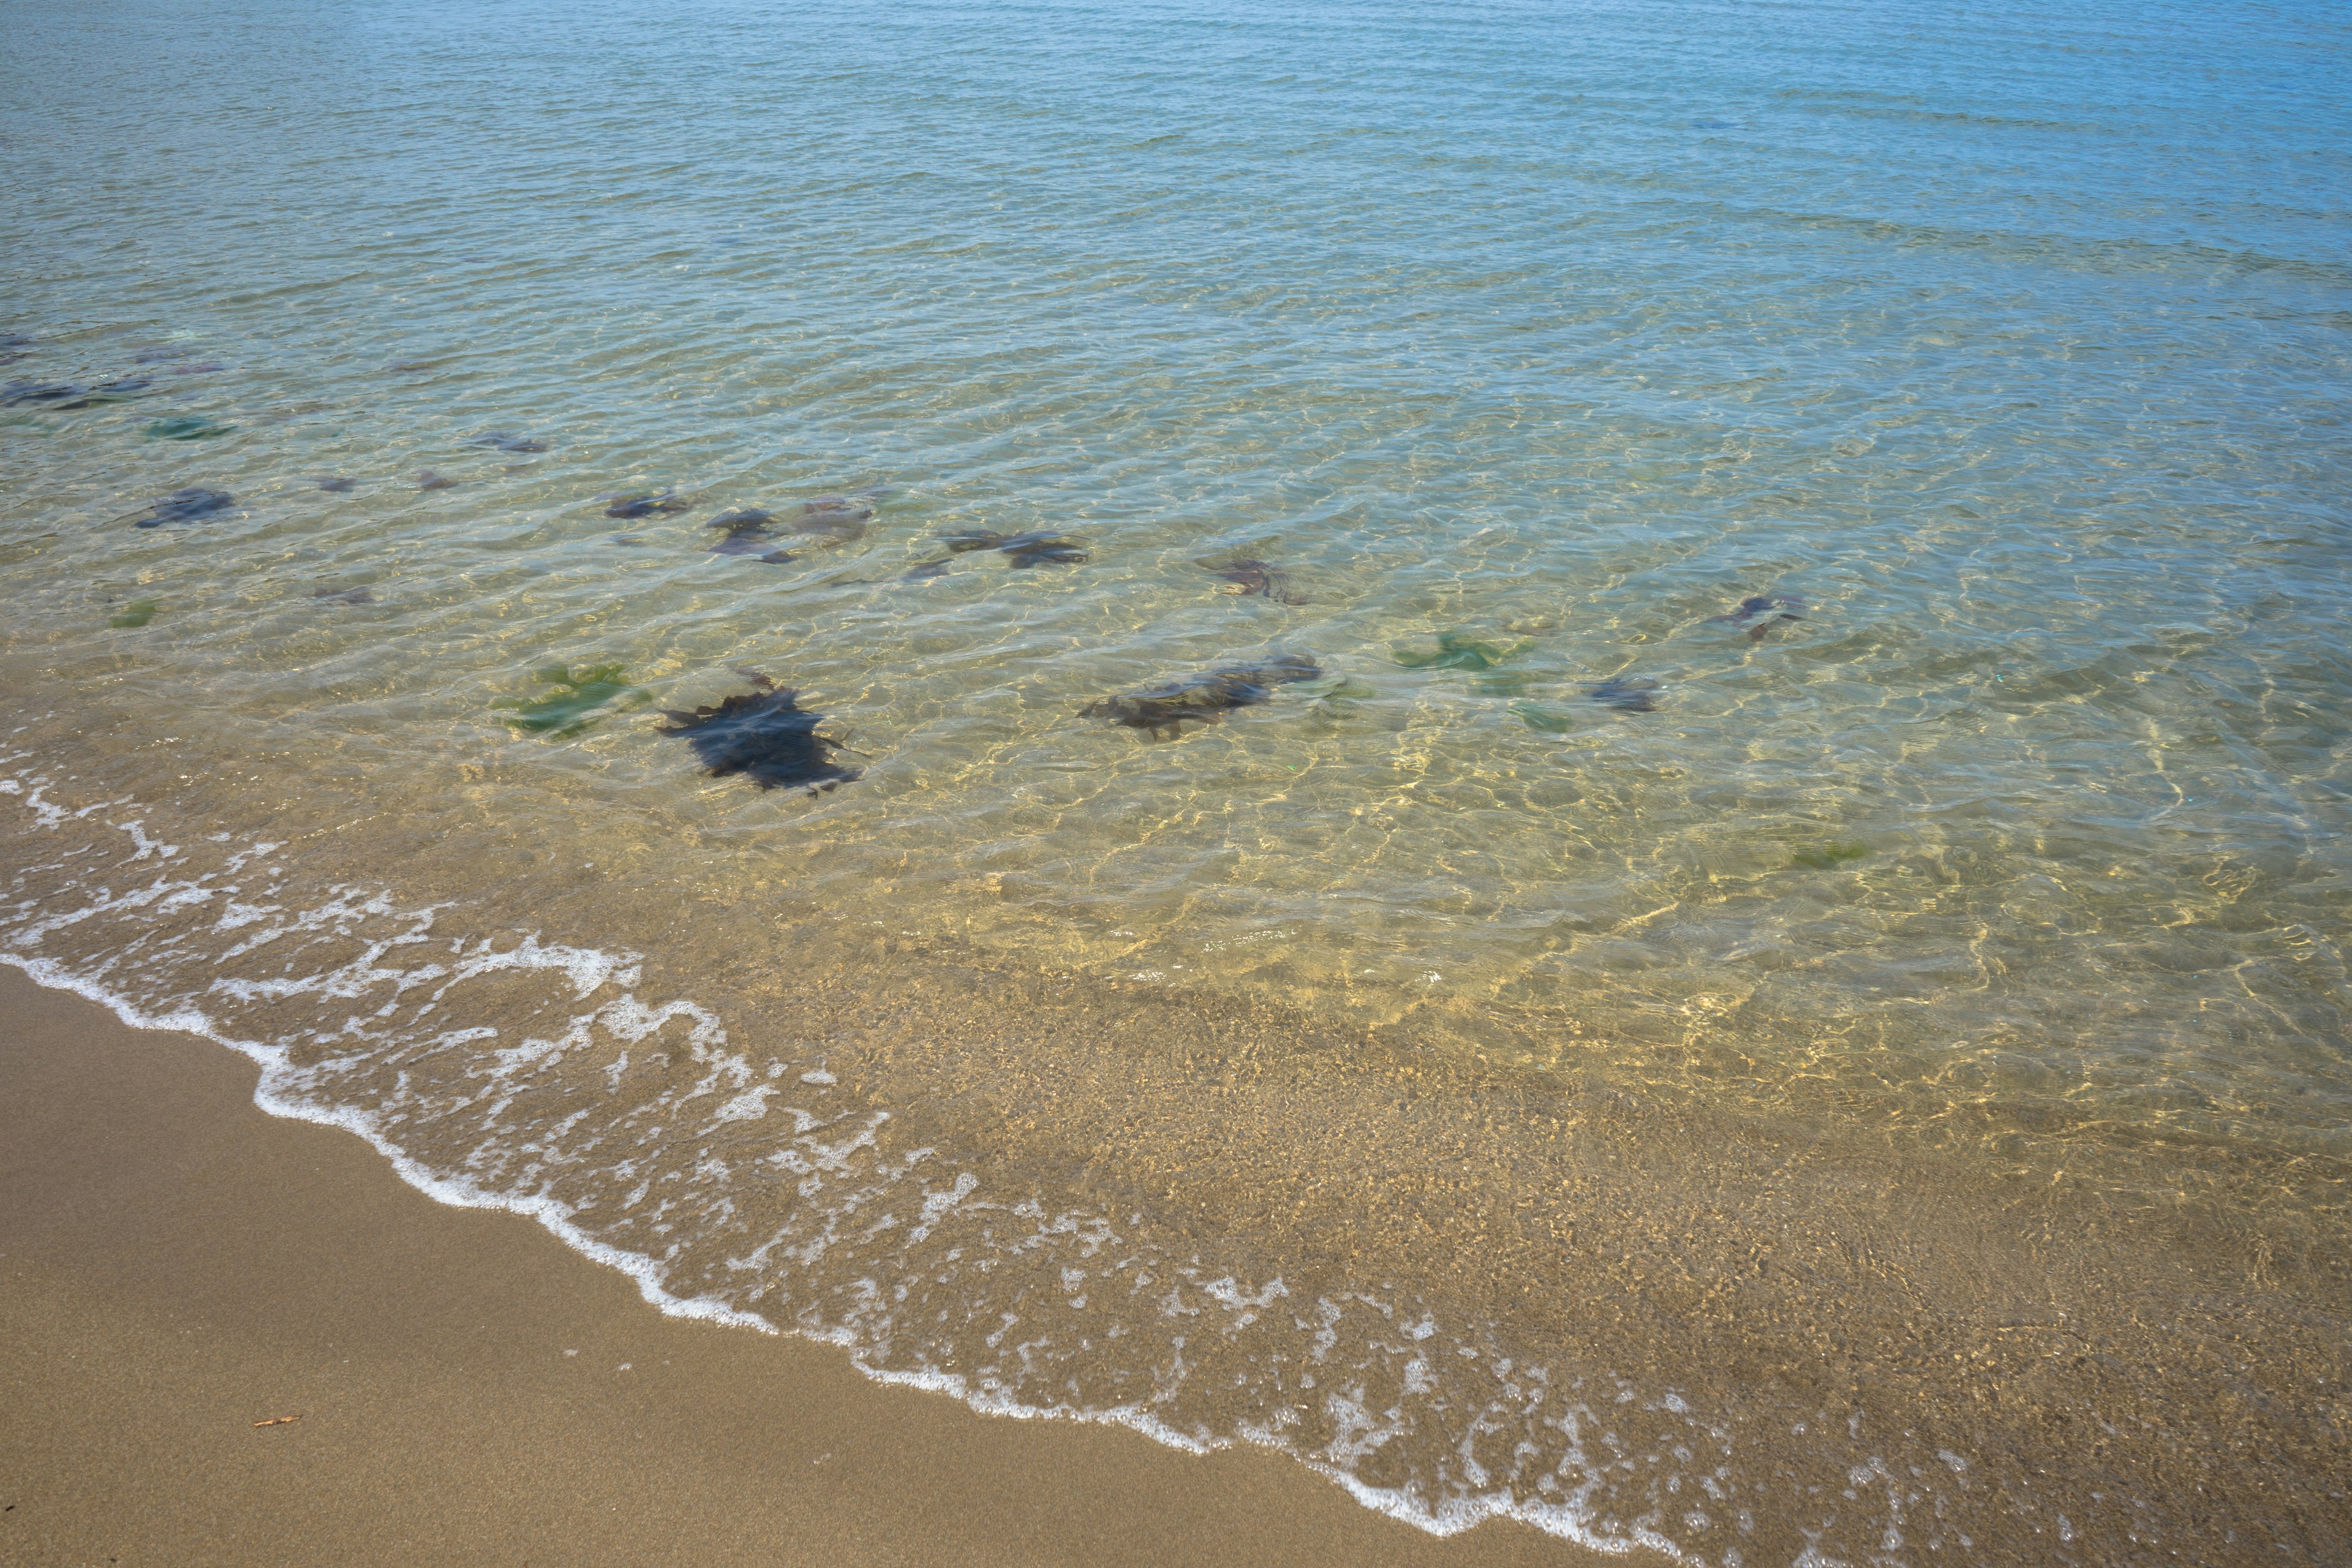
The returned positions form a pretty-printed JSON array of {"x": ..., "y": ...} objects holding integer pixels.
[{"x": 2003, "y": 353}]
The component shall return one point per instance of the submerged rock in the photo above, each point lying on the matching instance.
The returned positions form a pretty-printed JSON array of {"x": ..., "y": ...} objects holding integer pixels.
[
  {"x": 407, "y": 366},
  {"x": 1627, "y": 693},
  {"x": 576, "y": 700},
  {"x": 1164, "y": 710},
  {"x": 189, "y": 505},
  {"x": 336, "y": 484},
  {"x": 764, "y": 734},
  {"x": 1254, "y": 577},
  {"x": 427, "y": 479},
  {"x": 345, "y": 595},
  {"x": 664, "y": 504},
  {"x": 137, "y": 613},
  {"x": 1024, "y": 550},
  {"x": 1765, "y": 611},
  {"x": 506, "y": 442},
  {"x": 1459, "y": 650}
]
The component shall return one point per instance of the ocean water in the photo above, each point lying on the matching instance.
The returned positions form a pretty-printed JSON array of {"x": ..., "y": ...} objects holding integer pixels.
[{"x": 1759, "y": 977}]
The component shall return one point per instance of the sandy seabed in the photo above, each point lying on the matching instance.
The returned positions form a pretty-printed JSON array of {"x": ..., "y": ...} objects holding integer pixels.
[{"x": 176, "y": 1267}]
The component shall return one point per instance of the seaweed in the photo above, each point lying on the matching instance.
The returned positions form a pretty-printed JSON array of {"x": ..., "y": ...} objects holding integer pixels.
[
  {"x": 1459, "y": 650},
  {"x": 1254, "y": 577},
  {"x": 336, "y": 484},
  {"x": 765, "y": 735},
  {"x": 1774, "y": 608},
  {"x": 345, "y": 595},
  {"x": 1830, "y": 856},
  {"x": 507, "y": 442},
  {"x": 1542, "y": 719},
  {"x": 137, "y": 613},
  {"x": 1626, "y": 693},
  {"x": 407, "y": 366},
  {"x": 190, "y": 505},
  {"x": 1165, "y": 710},
  {"x": 576, "y": 702},
  {"x": 1025, "y": 550},
  {"x": 187, "y": 428}
]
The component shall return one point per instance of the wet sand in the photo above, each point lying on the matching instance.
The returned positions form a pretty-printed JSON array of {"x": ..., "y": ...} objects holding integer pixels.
[{"x": 175, "y": 1266}]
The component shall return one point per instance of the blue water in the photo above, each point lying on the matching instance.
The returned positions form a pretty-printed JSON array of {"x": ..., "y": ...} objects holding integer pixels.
[{"x": 2001, "y": 353}]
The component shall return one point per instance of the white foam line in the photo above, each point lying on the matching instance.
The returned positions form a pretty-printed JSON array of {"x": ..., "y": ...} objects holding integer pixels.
[
  {"x": 588, "y": 970},
  {"x": 455, "y": 1193},
  {"x": 1561, "y": 1520}
]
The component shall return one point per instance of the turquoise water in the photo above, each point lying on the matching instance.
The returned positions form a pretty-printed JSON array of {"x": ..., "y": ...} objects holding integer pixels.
[{"x": 2003, "y": 352}]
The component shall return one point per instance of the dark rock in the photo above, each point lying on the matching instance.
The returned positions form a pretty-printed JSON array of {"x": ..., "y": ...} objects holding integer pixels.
[
  {"x": 335, "y": 484},
  {"x": 837, "y": 520},
  {"x": 1773, "y": 609},
  {"x": 70, "y": 394},
  {"x": 1254, "y": 577},
  {"x": 427, "y": 479},
  {"x": 1166, "y": 709},
  {"x": 647, "y": 506},
  {"x": 1024, "y": 550},
  {"x": 345, "y": 595},
  {"x": 766, "y": 736},
  {"x": 748, "y": 533},
  {"x": 504, "y": 442},
  {"x": 190, "y": 505},
  {"x": 1626, "y": 693}
]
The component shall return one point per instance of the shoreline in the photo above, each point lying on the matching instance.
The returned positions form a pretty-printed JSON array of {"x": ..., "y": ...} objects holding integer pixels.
[
  {"x": 1900, "y": 1307},
  {"x": 175, "y": 1264}
]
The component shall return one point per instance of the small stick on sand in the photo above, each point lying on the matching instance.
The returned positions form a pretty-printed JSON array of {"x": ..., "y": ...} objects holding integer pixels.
[{"x": 278, "y": 1420}]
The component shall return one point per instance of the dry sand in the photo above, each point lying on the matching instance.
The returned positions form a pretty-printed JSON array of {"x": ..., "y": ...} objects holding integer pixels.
[{"x": 175, "y": 1266}]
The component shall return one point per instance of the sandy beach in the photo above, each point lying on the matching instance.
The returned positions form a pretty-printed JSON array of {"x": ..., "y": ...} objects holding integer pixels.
[{"x": 176, "y": 1267}]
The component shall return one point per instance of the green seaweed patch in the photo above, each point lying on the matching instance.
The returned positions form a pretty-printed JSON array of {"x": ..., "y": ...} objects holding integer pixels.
[
  {"x": 186, "y": 427},
  {"x": 1542, "y": 719},
  {"x": 577, "y": 700},
  {"x": 1830, "y": 856},
  {"x": 1505, "y": 683},
  {"x": 1459, "y": 650},
  {"x": 137, "y": 613}
]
